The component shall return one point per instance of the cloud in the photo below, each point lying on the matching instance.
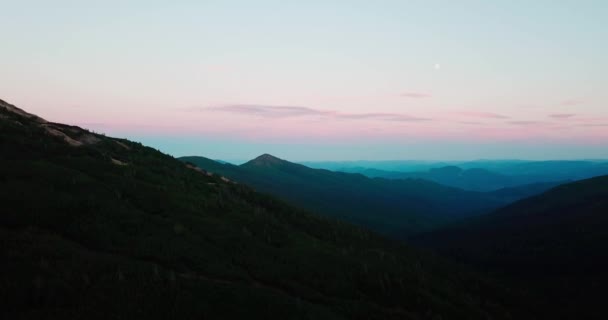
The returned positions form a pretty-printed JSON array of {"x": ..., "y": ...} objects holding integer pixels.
[
  {"x": 486, "y": 115},
  {"x": 379, "y": 116},
  {"x": 271, "y": 111},
  {"x": 525, "y": 123},
  {"x": 267, "y": 111},
  {"x": 562, "y": 115},
  {"x": 591, "y": 125},
  {"x": 415, "y": 95}
]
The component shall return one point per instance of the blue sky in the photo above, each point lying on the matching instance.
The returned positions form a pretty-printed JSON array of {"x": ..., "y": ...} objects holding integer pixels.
[{"x": 318, "y": 80}]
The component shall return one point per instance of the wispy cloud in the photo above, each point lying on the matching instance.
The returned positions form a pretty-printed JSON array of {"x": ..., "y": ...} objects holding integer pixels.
[
  {"x": 416, "y": 95},
  {"x": 562, "y": 115},
  {"x": 525, "y": 122},
  {"x": 379, "y": 116},
  {"x": 591, "y": 125},
  {"x": 270, "y": 111},
  {"x": 486, "y": 115},
  {"x": 267, "y": 111}
]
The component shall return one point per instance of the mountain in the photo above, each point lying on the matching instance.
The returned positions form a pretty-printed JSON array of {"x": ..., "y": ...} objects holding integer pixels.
[
  {"x": 513, "y": 194},
  {"x": 94, "y": 227},
  {"x": 397, "y": 208},
  {"x": 474, "y": 179},
  {"x": 386, "y": 165},
  {"x": 552, "y": 169},
  {"x": 479, "y": 175},
  {"x": 556, "y": 242}
]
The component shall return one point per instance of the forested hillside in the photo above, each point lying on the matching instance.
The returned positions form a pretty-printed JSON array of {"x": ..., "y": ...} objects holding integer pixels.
[{"x": 555, "y": 243}]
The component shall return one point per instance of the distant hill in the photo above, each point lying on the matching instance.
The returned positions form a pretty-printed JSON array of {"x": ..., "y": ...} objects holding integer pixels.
[
  {"x": 550, "y": 168},
  {"x": 542, "y": 170},
  {"x": 556, "y": 242},
  {"x": 474, "y": 179},
  {"x": 513, "y": 194},
  {"x": 387, "y": 165},
  {"x": 470, "y": 179},
  {"x": 94, "y": 227},
  {"x": 394, "y": 207}
]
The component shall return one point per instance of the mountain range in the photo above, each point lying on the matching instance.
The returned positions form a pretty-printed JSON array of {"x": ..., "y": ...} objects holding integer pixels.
[
  {"x": 478, "y": 175},
  {"x": 395, "y": 207}
]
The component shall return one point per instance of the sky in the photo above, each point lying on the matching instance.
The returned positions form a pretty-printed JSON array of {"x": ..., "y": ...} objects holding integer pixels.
[{"x": 318, "y": 80}]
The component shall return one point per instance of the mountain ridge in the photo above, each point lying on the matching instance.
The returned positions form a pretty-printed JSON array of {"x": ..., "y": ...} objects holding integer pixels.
[
  {"x": 478, "y": 175},
  {"x": 399, "y": 206}
]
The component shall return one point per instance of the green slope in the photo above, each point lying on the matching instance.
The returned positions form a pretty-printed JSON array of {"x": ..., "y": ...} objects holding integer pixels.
[
  {"x": 397, "y": 208},
  {"x": 520, "y": 192},
  {"x": 556, "y": 242},
  {"x": 100, "y": 228}
]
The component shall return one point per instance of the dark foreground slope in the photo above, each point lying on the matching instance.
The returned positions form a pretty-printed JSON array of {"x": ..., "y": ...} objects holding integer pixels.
[
  {"x": 99, "y": 228},
  {"x": 556, "y": 243},
  {"x": 397, "y": 208}
]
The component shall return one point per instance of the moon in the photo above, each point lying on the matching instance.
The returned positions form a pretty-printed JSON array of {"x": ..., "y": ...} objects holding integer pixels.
[{"x": 437, "y": 66}]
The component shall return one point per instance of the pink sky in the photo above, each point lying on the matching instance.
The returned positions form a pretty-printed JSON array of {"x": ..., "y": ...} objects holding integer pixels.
[{"x": 317, "y": 72}]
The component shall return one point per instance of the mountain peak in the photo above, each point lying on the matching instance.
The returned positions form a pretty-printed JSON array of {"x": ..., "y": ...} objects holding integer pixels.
[
  {"x": 266, "y": 160},
  {"x": 268, "y": 157}
]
